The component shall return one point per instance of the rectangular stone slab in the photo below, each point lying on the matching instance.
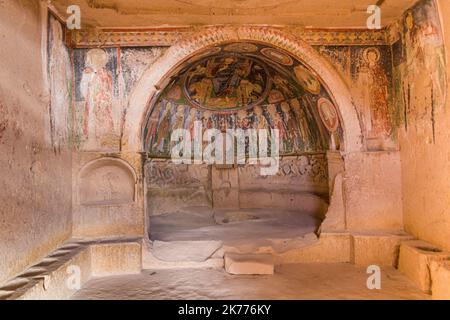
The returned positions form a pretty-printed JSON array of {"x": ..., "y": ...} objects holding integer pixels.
[{"x": 236, "y": 263}]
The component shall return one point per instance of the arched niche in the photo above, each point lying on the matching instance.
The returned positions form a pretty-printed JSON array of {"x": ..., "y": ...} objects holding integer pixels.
[
  {"x": 157, "y": 77},
  {"x": 106, "y": 181},
  {"x": 245, "y": 85}
]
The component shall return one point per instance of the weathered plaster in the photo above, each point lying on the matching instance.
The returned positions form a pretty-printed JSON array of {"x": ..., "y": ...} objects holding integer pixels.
[{"x": 35, "y": 184}]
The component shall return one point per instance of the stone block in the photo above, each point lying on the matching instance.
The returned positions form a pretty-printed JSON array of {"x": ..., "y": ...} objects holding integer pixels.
[
  {"x": 415, "y": 259},
  {"x": 377, "y": 249},
  {"x": 249, "y": 263},
  {"x": 116, "y": 258}
]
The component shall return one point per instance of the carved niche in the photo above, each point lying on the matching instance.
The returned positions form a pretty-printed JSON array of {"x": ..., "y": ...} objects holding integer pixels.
[{"x": 106, "y": 181}]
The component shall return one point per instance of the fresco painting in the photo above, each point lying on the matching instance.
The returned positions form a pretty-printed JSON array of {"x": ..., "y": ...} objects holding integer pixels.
[
  {"x": 420, "y": 82},
  {"x": 376, "y": 93},
  {"x": 231, "y": 87},
  {"x": 367, "y": 71},
  {"x": 60, "y": 85},
  {"x": 98, "y": 99},
  {"x": 226, "y": 83},
  {"x": 134, "y": 61}
]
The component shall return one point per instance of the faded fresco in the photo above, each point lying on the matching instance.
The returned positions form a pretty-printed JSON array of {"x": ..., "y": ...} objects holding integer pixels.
[
  {"x": 133, "y": 63},
  {"x": 60, "y": 85},
  {"x": 104, "y": 79},
  {"x": 98, "y": 103},
  {"x": 367, "y": 71},
  {"x": 255, "y": 86},
  {"x": 246, "y": 86},
  {"x": 419, "y": 66}
]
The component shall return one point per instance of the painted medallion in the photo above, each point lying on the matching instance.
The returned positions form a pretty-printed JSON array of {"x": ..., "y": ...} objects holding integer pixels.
[{"x": 328, "y": 114}]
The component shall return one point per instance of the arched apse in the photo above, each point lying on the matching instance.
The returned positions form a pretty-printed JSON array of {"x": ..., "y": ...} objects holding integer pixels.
[
  {"x": 157, "y": 77},
  {"x": 245, "y": 85}
]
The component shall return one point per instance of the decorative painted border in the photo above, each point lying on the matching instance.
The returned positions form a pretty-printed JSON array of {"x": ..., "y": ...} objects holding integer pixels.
[
  {"x": 126, "y": 38},
  {"x": 171, "y": 36}
]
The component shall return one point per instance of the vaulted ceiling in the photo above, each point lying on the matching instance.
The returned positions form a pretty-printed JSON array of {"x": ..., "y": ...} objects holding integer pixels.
[{"x": 306, "y": 13}]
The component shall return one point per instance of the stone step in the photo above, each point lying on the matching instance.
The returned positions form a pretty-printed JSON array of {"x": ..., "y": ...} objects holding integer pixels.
[{"x": 236, "y": 263}]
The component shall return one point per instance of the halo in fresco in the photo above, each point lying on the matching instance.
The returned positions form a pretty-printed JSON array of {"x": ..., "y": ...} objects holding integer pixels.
[
  {"x": 277, "y": 56},
  {"x": 328, "y": 114},
  {"x": 227, "y": 82},
  {"x": 371, "y": 55},
  {"x": 307, "y": 80},
  {"x": 241, "y": 47}
]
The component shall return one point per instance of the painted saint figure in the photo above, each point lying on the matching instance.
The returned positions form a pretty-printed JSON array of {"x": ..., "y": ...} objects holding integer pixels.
[
  {"x": 377, "y": 95},
  {"x": 303, "y": 124},
  {"x": 96, "y": 89},
  {"x": 293, "y": 135}
]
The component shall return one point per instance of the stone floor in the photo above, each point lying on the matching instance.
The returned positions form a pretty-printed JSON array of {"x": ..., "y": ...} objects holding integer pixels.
[
  {"x": 293, "y": 281},
  {"x": 233, "y": 227}
]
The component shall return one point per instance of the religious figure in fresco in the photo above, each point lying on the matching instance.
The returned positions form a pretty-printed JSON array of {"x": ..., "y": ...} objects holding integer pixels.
[
  {"x": 260, "y": 121},
  {"x": 202, "y": 90},
  {"x": 59, "y": 74},
  {"x": 163, "y": 132},
  {"x": 278, "y": 123},
  {"x": 303, "y": 124},
  {"x": 178, "y": 121},
  {"x": 190, "y": 121},
  {"x": 226, "y": 83},
  {"x": 207, "y": 122},
  {"x": 152, "y": 125},
  {"x": 284, "y": 86},
  {"x": 307, "y": 80},
  {"x": 373, "y": 80},
  {"x": 430, "y": 42},
  {"x": 243, "y": 121},
  {"x": 246, "y": 90},
  {"x": 424, "y": 62},
  {"x": 96, "y": 89},
  {"x": 293, "y": 136}
]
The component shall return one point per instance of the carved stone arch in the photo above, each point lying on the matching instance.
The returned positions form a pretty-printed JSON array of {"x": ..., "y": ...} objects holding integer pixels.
[
  {"x": 155, "y": 76},
  {"x": 106, "y": 181}
]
